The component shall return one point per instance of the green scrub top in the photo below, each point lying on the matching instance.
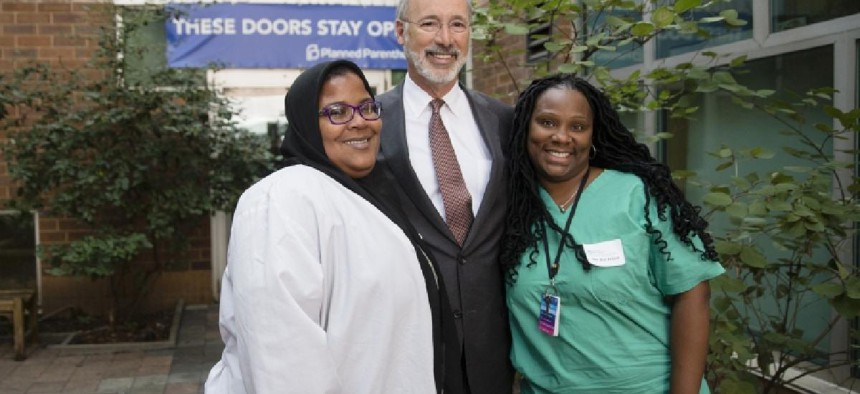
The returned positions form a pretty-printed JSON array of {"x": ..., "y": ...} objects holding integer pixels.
[{"x": 614, "y": 321}]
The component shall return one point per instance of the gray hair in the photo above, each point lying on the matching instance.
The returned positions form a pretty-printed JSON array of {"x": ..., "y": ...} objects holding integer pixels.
[{"x": 403, "y": 6}]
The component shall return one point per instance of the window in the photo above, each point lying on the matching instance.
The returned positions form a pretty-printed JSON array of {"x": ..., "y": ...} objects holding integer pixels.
[
  {"x": 537, "y": 36},
  {"x": 789, "y": 14},
  {"x": 624, "y": 55},
  {"x": 719, "y": 33},
  {"x": 855, "y": 352},
  {"x": 722, "y": 122}
]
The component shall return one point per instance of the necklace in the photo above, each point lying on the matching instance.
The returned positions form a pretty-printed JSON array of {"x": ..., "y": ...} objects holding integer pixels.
[{"x": 563, "y": 206}]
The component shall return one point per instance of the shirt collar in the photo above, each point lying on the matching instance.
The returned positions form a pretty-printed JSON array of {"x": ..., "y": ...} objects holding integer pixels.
[{"x": 416, "y": 100}]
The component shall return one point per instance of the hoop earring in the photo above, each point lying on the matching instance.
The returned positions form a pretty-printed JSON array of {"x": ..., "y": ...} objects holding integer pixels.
[{"x": 593, "y": 152}]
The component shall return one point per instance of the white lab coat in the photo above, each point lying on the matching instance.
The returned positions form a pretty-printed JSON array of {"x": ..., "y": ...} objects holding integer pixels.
[{"x": 322, "y": 294}]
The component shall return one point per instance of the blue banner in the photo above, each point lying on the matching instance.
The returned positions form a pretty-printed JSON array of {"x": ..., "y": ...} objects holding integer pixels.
[{"x": 281, "y": 35}]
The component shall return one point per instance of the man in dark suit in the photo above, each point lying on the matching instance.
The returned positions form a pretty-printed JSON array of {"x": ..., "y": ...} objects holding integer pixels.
[{"x": 435, "y": 35}]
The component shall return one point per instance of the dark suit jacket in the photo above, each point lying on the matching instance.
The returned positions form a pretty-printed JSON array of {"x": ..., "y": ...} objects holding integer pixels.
[{"x": 472, "y": 274}]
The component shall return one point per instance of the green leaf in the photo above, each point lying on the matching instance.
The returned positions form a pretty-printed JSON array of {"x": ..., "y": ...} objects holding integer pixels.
[
  {"x": 569, "y": 68},
  {"x": 737, "y": 210},
  {"x": 828, "y": 289},
  {"x": 516, "y": 29},
  {"x": 642, "y": 29},
  {"x": 731, "y": 17},
  {"x": 725, "y": 79},
  {"x": 616, "y": 22},
  {"x": 728, "y": 248},
  {"x": 662, "y": 17},
  {"x": 752, "y": 257},
  {"x": 738, "y": 61},
  {"x": 556, "y": 47},
  {"x": 758, "y": 208},
  {"x": 852, "y": 288},
  {"x": 848, "y": 308},
  {"x": 686, "y": 5},
  {"x": 711, "y": 19},
  {"x": 718, "y": 199},
  {"x": 761, "y": 153},
  {"x": 728, "y": 284}
]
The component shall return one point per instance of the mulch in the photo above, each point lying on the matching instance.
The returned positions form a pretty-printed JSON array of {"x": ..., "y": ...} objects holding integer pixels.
[{"x": 96, "y": 329}]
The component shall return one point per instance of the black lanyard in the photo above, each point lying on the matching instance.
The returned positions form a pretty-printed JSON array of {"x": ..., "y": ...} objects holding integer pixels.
[{"x": 552, "y": 267}]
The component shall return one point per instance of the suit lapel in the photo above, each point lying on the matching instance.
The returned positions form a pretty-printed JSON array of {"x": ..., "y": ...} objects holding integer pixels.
[
  {"x": 395, "y": 151},
  {"x": 488, "y": 125}
]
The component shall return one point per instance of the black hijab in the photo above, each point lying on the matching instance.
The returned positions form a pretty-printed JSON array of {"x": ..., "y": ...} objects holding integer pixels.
[
  {"x": 303, "y": 145},
  {"x": 303, "y": 142}
]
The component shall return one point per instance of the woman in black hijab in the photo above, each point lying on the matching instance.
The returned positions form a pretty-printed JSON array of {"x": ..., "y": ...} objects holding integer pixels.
[{"x": 326, "y": 290}]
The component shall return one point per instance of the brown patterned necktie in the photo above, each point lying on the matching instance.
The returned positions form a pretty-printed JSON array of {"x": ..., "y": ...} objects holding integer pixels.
[{"x": 455, "y": 196}]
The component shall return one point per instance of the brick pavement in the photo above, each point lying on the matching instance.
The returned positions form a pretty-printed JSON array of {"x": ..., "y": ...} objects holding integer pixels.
[{"x": 180, "y": 370}]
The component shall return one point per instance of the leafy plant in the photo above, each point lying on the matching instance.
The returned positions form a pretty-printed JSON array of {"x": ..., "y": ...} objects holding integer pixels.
[
  {"x": 782, "y": 231},
  {"x": 784, "y": 246},
  {"x": 140, "y": 163}
]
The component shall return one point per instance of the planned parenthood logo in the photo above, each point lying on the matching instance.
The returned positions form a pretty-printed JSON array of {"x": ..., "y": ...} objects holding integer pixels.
[{"x": 313, "y": 54}]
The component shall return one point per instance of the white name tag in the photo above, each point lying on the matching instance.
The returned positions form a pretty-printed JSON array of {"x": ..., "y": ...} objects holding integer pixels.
[{"x": 605, "y": 254}]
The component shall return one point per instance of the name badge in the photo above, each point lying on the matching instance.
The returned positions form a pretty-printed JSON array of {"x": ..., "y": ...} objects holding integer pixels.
[
  {"x": 605, "y": 254},
  {"x": 550, "y": 310}
]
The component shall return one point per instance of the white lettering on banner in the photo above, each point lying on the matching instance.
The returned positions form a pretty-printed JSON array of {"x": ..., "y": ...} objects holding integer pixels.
[
  {"x": 279, "y": 27},
  {"x": 314, "y": 53},
  {"x": 379, "y": 29},
  {"x": 335, "y": 27},
  {"x": 205, "y": 26}
]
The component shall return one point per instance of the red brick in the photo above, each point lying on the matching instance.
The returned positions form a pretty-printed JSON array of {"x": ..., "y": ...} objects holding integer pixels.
[
  {"x": 54, "y": 7},
  {"x": 7, "y": 17},
  {"x": 88, "y": 7},
  {"x": 48, "y": 224},
  {"x": 33, "y": 41},
  {"x": 87, "y": 30},
  {"x": 69, "y": 41},
  {"x": 71, "y": 224},
  {"x": 55, "y": 29},
  {"x": 28, "y": 53},
  {"x": 29, "y": 17},
  {"x": 56, "y": 53},
  {"x": 7, "y": 41},
  {"x": 52, "y": 237},
  {"x": 83, "y": 53},
  {"x": 12, "y": 7},
  {"x": 19, "y": 29},
  {"x": 67, "y": 17}
]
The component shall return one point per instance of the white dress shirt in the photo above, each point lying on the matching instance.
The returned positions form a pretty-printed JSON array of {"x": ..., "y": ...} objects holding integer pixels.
[{"x": 469, "y": 146}]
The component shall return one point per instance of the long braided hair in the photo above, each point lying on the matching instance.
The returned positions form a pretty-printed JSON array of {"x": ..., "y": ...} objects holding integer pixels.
[{"x": 616, "y": 149}]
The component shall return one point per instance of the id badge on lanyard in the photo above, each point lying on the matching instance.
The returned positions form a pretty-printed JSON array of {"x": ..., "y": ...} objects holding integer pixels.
[
  {"x": 550, "y": 303},
  {"x": 550, "y": 312}
]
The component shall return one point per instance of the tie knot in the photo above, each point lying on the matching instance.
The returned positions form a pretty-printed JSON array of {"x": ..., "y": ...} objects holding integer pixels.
[{"x": 436, "y": 104}]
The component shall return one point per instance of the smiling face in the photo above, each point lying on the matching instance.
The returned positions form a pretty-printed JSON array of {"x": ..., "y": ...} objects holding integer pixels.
[
  {"x": 560, "y": 132},
  {"x": 352, "y": 146},
  {"x": 434, "y": 59}
]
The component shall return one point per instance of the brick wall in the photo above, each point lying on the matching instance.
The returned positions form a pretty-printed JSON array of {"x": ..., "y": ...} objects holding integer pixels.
[
  {"x": 506, "y": 72},
  {"x": 64, "y": 34},
  {"x": 496, "y": 78}
]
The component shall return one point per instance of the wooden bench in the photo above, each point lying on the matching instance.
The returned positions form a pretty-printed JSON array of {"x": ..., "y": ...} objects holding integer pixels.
[{"x": 14, "y": 304}]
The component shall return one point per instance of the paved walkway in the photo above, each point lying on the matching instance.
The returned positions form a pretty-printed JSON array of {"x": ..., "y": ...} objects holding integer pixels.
[{"x": 179, "y": 370}]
